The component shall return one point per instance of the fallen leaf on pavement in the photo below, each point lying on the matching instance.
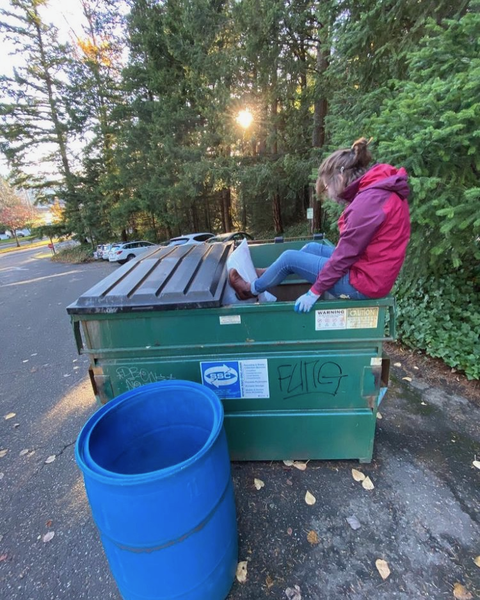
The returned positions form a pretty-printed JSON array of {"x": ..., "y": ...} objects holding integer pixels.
[
  {"x": 293, "y": 593},
  {"x": 301, "y": 466},
  {"x": 312, "y": 537},
  {"x": 476, "y": 463},
  {"x": 382, "y": 568},
  {"x": 460, "y": 592},
  {"x": 258, "y": 483},
  {"x": 289, "y": 482},
  {"x": 310, "y": 499},
  {"x": 397, "y": 364},
  {"x": 269, "y": 582},
  {"x": 242, "y": 571},
  {"x": 357, "y": 475},
  {"x": 367, "y": 484},
  {"x": 289, "y": 531},
  {"x": 48, "y": 537},
  {"x": 9, "y": 416},
  {"x": 3, "y": 557},
  {"x": 477, "y": 561},
  {"x": 3, "y": 453},
  {"x": 50, "y": 459},
  {"x": 31, "y": 453},
  {"x": 23, "y": 452},
  {"x": 407, "y": 378},
  {"x": 49, "y": 523},
  {"x": 416, "y": 368},
  {"x": 354, "y": 522},
  {"x": 288, "y": 463},
  {"x": 379, "y": 415}
]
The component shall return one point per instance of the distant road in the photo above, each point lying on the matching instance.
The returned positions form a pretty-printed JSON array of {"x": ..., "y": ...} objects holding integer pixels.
[{"x": 23, "y": 243}]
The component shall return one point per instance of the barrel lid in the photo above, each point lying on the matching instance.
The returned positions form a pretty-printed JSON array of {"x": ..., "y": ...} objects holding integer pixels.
[{"x": 168, "y": 278}]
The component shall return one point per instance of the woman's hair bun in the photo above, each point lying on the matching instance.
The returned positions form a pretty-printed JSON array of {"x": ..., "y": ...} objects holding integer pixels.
[{"x": 361, "y": 151}]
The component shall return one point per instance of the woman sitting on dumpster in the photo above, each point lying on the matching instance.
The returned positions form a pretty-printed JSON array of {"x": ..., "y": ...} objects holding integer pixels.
[{"x": 374, "y": 234}]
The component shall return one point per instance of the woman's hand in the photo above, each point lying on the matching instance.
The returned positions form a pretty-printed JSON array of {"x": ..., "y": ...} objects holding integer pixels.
[{"x": 305, "y": 302}]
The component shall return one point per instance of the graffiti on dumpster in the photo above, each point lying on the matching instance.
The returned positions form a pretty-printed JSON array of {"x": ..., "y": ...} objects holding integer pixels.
[
  {"x": 134, "y": 377},
  {"x": 310, "y": 377}
]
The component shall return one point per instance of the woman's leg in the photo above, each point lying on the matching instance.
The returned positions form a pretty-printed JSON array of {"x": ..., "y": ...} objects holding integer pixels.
[
  {"x": 318, "y": 249},
  {"x": 304, "y": 264},
  {"x": 344, "y": 289}
]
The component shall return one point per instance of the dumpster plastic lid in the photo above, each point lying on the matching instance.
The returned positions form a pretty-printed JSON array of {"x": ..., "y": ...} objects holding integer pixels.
[{"x": 168, "y": 278}]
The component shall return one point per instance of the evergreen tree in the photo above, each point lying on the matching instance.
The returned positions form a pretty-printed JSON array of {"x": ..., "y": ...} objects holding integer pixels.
[
  {"x": 35, "y": 124},
  {"x": 96, "y": 71}
]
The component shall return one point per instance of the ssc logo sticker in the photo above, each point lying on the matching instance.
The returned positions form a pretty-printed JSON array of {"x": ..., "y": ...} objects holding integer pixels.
[{"x": 222, "y": 377}]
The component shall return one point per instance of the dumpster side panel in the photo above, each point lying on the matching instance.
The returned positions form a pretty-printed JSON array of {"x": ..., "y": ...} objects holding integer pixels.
[
  {"x": 293, "y": 386},
  {"x": 289, "y": 382}
]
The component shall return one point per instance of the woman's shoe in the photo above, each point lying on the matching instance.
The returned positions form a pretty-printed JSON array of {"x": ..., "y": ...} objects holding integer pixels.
[{"x": 241, "y": 287}]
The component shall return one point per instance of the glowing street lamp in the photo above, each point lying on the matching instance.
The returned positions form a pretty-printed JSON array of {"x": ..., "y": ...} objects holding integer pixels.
[{"x": 244, "y": 118}]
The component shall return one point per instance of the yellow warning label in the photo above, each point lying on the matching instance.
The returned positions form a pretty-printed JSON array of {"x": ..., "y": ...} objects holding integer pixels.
[{"x": 362, "y": 318}]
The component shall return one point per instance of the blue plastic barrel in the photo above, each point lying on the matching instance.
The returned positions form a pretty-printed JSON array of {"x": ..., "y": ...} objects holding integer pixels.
[{"x": 157, "y": 474}]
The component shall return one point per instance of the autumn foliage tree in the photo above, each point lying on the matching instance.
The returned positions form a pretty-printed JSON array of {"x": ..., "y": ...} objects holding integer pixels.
[{"x": 15, "y": 217}]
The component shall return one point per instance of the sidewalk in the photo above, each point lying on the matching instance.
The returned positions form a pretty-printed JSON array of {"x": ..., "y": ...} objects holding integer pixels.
[{"x": 422, "y": 517}]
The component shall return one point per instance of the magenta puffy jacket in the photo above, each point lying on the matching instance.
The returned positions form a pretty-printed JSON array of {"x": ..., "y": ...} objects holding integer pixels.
[{"x": 374, "y": 233}]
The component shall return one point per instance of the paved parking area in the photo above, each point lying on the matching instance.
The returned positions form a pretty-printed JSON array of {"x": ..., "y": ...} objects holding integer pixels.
[{"x": 422, "y": 517}]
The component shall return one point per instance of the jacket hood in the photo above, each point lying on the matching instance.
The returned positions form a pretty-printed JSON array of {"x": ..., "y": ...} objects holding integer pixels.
[{"x": 383, "y": 177}]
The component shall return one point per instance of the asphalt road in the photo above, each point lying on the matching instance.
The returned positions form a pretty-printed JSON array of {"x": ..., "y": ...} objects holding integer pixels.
[
  {"x": 422, "y": 517},
  {"x": 44, "y": 382}
]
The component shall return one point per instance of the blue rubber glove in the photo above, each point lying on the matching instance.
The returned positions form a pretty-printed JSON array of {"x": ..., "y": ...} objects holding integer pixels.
[{"x": 305, "y": 302}]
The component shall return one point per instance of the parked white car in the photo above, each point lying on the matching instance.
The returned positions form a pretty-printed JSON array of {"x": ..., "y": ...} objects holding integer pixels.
[
  {"x": 124, "y": 252},
  {"x": 190, "y": 238},
  {"x": 107, "y": 248},
  {"x": 20, "y": 233}
]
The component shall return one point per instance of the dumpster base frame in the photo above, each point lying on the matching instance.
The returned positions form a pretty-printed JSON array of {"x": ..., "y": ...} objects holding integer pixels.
[{"x": 345, "y": 435}]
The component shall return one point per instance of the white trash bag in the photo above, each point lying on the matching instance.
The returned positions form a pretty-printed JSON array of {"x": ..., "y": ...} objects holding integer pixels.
[{"x": 241, "y": 260}]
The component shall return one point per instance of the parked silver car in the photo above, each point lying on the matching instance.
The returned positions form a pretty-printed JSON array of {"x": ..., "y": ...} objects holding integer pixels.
[
  {"x": 190, "y": 238},
  {"x": 232, "y": 236}
]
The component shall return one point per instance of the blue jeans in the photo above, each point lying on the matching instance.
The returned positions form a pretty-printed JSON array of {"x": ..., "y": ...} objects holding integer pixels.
[{"x": 307, "y": 264}]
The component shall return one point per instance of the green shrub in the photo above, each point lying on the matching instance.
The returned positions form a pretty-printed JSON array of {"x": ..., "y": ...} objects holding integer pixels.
[
  {"x": 76, "y": 255},
  {"x": 441, "y": 316}
]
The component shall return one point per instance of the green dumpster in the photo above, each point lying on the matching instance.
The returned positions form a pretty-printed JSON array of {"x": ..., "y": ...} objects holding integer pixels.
[{"x": 294, "y": 386}]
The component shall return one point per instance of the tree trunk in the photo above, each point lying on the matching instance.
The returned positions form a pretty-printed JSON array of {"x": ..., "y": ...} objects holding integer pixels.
[
  {"x": 227, "y": 210},
  {"x": 244, "y": 212},
  {"x": 321, "y": 105},
  {"x": 318, "y": 136},
  {"x": 208, "y": 220},
  {"x": 316, "y": 222},
  {"x": 277, "y": 214},
  {"x": 195, "y": 217}
]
